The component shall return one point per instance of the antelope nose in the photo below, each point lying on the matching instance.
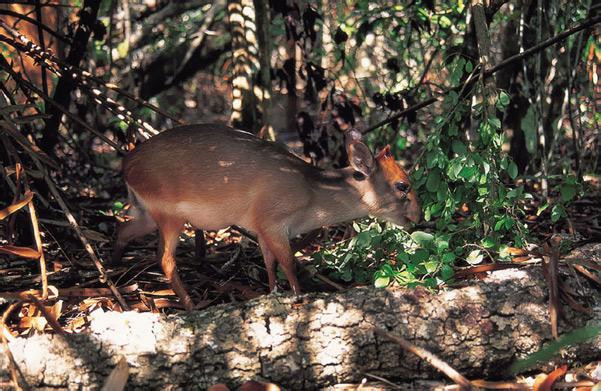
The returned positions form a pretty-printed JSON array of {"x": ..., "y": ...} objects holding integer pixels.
[
  {"x": 415, "y": 216},
  {"x": 415, "y": 210}
]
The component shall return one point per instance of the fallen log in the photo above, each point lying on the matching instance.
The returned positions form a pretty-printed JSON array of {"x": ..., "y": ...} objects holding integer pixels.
[{"x": 313, "y": 340}]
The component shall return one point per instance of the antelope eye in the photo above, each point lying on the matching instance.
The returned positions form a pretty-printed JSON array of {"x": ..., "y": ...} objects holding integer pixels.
[{"x": 401, "y": 187}]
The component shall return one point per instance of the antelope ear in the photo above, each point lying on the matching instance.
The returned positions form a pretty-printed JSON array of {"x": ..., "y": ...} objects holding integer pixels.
[
  {"x": 384, "y": 153},
  {"x": 360, "y": 157},
  {"x": 353, "y": 135}
]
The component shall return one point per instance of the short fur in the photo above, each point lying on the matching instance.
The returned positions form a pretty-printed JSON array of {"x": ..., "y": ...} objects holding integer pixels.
[{"x": 213, "y": 176}]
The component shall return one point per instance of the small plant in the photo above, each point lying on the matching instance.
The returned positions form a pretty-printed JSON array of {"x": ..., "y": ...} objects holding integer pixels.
[
  {"x": 389, "y": 255},
  {"x": 465, "y": 184}
]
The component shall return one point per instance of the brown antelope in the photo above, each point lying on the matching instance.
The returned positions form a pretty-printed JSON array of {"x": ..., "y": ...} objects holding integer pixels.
[{"x": 213, "y": 176}]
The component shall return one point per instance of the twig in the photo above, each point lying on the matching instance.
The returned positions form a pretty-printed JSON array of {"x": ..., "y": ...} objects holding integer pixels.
[
  {"x": 15, "y": 206},
  {"x": 52, "y": 187},
  {"x": 51, "y": 319},
  {"x": 428, "y": 357},
  {"x": 37, "y": 237},
  {"x": 35, "y": 22},
  {"x": 103, "y": 277},
  {"x": 5, "y": 316},
  {"x": 21, "y": 177},
  {"x": 15, "y": 373},
  {"x": 551, "y": 261},
  {"x": 38, "y": 242},
  {"x": 60, "y": 107},
  {"x": 585, "y": 272},
  {"x": 81, "y": 73}
]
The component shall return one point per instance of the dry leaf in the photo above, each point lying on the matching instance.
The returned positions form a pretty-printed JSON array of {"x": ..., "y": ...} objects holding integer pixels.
[
  {"x": 38, "y": 323},
  {"x": 516, "y": 251},
  {"x": 547, "y": 383},
  {"x": 24, "y": 252},
  {"x": 16, "y": 206},
  {"x": 56, "y": 309},
  {"x": 77, "y": 323},
  {"x": 118, "y": 377}
]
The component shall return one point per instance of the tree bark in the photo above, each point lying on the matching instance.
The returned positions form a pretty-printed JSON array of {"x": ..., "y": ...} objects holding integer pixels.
[
  {"x": 310, "y": 341},
  {"x": 483, "y": 41},
  {"x": 263, "y": 95},
  {"x": 245, "y": 49}
]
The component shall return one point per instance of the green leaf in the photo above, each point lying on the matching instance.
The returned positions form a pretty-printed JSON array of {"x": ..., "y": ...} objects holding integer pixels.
[
  {"x": 382, "y": 282},
  {"x": 123, "y": 49},
  {"x": 441, "y": 245},
  {"x": 433, "y": 181},
  {"x": 446, "y": 272},
  {"x": 528, "y": 126},
  {"x": 474, "y": 257},
  {"x": 449, "y": 258},
  {"x": 459, "y": 148},
  {"x": 455, "y": 167},
  {"x": 363, "y": 239},
  {"x": 553, "y": 348},
  {"x": 402, "y": 256},
  {"x": 541, "y": 209},
  {"x": 445, "y": 22},
  {"x": 500, "y": 224},
  {"x": 401, "y": 143},
  {"x": 435, "y": 208},
  {"x": 469, "y": 67},
  {"x": 387, "y": 270},
  {"x": 488, "y": 242},
  {"x": 512, "y": 170},
  {"x": 494, "y": 122},
  {"x": 431, "y": 266},
  {"x": 568, "y": 192},
  {"x": 514, "y": 194},
  {"x": 118, "y": 205},
  {"x": 422, "y": 238},
  {"x": 427, "y": 213},
  {"x": 504, "y": 163},
  {"x": 469, "y": 173},
  {"x": 420, "y": 256},
  {"x": 431, "y": 159},
  {"x": 556, "y": 213},
  {"x": 504, "y": 98},
  {"x": 122, "y": 125}
]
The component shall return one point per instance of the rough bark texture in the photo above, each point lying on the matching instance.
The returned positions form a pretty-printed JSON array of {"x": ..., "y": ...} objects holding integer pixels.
[{"x": 310, "y": 341}]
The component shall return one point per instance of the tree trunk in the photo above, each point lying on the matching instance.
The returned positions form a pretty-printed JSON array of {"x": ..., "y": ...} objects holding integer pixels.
[
  {"x": 310, "y": 341},
  {"x": 263, "y": 93},
  {"x": 242, "y": 21},
  {"x": 66, "y": 84}
]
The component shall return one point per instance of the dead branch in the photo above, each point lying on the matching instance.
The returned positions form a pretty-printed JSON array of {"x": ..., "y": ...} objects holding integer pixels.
[{"x": 313, "y": 340}]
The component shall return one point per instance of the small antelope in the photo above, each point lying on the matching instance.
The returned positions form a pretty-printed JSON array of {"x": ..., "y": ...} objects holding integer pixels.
[{"x": 213, "y": 176}]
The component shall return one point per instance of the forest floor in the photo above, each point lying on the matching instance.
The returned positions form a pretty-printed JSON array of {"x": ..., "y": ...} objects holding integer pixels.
[{"x": 231, "y": 272}]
